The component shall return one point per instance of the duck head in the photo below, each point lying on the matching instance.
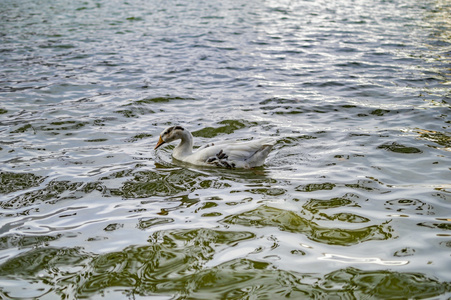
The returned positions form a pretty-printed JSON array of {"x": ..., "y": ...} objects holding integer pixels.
[{"x": 170, "y": 134}]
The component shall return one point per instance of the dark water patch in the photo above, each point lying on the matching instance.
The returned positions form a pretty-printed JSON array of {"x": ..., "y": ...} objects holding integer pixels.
[
  {"x": 100, "y": 140},
  {"x": 54, "y": 191},
  {"x": 134, "y": 111},
  {"x": 56, "y": 45},
  {"x": 408, "y": 251},
  {"x": 265, "y": 216},
  {"x": 166, "y": 183},
  {"x": 290, "y": 141},
  {"x": 363, "y": 91},
  {"x": 367, "y": 185},
  {"x": 135, "y": 19},
  {"x": 348, "y": 217},
  {"x": 96, "y": 239},
  {"x": 445, "y": 244},
  {"x": 148, "y": 183},
  {"x": 103, "y": 121},
  {"x": 379, "y": 112},
  {"x": 228, "y": 127},
  {"x": 21, "y": 241},
  {"x": 146, "y": 106},
  {"x": 211, "y": 215},
  {"x": 11, "y": 182},
  {"x": 383, "y": 284},
  {"x": 42, "y": 261},
  {"x": 207, "y": 205},
  {"x": 412, "y": 206},
  {"x": 399, "y": 148},
  {"x": 118, "y": 174},
  {"x": 166, "y": 99},
  {"x": 113, "y": 227},
  {"x": 138, "y": 137},
  {"x": 89, "y": 187},
  {"x": 443, "y": 139},
  {"x": 317, "y": 207},
  {"x": 324, "y": 84},
  {"x": 67, "y": 125},
  {"x": 274, "y": 192},
  {"x": 146, "y": 223},
  {"x": 314, "y": 205},
  {"x": 24, "y": 128},
  {"x": 283, "y": 106},
  {"x": 278, "y": 101},
  {"x": 173, "y": 263},
  {"x": 313, "y": 187},
  {"x": 437, "y": 225}
]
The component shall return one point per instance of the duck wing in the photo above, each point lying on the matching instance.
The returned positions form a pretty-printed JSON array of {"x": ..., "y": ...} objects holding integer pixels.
[{"x": 233, "y": 155}]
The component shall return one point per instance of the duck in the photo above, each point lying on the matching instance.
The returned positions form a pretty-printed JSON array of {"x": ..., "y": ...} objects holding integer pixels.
[{"x": 224, "y": 154}]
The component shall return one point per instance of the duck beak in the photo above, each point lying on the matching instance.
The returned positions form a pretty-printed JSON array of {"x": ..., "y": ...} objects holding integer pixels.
[{"x": 160, "y": 142}]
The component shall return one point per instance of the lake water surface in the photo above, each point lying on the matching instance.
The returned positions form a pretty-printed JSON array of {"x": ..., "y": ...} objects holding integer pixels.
[{"x": 354, "y": 202}]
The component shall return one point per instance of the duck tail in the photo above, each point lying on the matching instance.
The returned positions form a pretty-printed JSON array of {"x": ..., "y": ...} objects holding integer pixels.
[{"x": 258, "y": 158}]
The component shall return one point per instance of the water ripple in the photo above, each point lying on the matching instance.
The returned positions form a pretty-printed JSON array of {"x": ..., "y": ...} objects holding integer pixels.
[{"x": 353, "y": 201}]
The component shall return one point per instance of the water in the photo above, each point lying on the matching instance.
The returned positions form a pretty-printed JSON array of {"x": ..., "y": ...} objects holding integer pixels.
[{"x": 353, "y": 202}]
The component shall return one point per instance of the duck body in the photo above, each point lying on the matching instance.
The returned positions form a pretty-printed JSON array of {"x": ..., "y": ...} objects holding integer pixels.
[{"x": 221, "y": 154}]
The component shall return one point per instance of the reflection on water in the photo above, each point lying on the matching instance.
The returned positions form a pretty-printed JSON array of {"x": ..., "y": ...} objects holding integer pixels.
[
  {"x": 290, "y": 221},
  {"x": 353, "y": 202},
  {"x": 11, "y": 182},
  {"x": 173, "y": 262}
]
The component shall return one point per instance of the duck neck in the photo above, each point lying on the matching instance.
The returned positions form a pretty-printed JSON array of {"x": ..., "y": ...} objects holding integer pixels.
[{"x": 185, "y": 147}]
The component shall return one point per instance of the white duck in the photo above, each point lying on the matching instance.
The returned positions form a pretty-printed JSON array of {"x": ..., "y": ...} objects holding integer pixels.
[{"x": 223, "y": 154}]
